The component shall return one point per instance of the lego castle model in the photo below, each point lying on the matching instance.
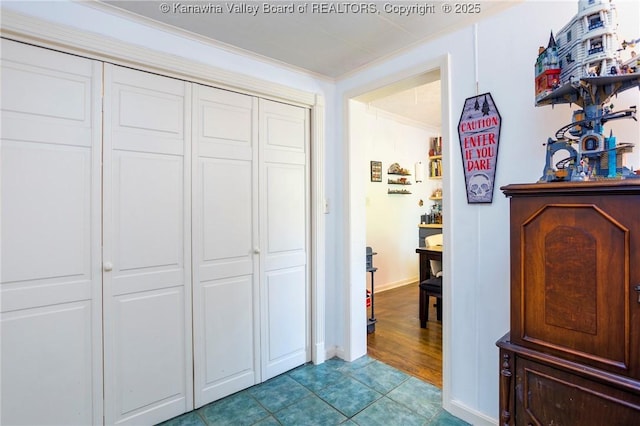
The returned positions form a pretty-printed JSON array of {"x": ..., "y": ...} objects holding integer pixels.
[{"x": 585, "y": 65}]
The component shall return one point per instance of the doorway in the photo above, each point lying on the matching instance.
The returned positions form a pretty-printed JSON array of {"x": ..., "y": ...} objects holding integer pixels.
[
  {"x": 398, "y": 131},
  {"x": 359, "y": 179}
]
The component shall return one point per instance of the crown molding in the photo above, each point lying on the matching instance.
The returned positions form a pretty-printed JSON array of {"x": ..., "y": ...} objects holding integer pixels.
[
  {"x": 183, "y": 33},
  {"x": 27, "y": 29}
]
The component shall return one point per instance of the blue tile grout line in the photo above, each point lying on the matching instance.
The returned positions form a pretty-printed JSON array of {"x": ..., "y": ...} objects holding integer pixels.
[{"x": 362, "y": 392}]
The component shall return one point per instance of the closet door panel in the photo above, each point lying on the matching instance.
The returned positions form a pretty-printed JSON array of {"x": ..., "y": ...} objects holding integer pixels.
[
  {"x": 148, "y": 214},
  {"x": 150, "y": 347},
  {"x": 284, "y": 173},
  {"x": 228, "y": 344},
  {"x": 58, "y": 181},
  {"x": 147, "y": 248},
  {"x": 224, "y": 244},
  {"x": 226, "y": 217},
  {"x": 51, "y": 357},
  {"x": 47, "y": 369},
  {"x": 286, "y": 328}
]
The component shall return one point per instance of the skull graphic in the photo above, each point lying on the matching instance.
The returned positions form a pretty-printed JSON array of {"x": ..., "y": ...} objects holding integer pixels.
[{"x": 479, "y": 187}]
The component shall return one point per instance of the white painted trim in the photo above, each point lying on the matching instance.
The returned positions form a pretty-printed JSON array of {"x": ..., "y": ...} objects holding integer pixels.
[
  {"x": 317, "y": 228},
  {"x": 470, "y": 415},
  {"x": 401, "y": 119},
  {"x": 96, "y": 243},
  {"x": 58, "y": 37},
  {"x": 447, "y": 213},
  {"x": 34, "y": 31}
]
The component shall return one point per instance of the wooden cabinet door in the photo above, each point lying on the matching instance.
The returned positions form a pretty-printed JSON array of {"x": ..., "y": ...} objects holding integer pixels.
[{"x": 573, "y": 273}]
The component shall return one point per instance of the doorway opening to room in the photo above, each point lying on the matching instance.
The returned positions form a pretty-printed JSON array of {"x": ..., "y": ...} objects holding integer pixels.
[{"x": 398, "y": 130}]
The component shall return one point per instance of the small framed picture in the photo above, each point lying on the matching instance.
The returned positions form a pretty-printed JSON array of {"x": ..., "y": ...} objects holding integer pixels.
[{"x": 376, "y": 171}]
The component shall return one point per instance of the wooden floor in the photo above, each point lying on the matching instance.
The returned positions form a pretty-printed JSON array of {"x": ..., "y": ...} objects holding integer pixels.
[{"x": 398, "y": 339}]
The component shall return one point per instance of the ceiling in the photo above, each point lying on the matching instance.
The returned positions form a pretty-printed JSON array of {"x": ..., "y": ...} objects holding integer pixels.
[{"x": 330, "y": 39}]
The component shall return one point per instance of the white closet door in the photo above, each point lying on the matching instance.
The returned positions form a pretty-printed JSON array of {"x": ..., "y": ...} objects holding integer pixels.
[
  {"x": 50, "y": 256},
  {"x": 147, "y": 247},
  {"x": 284, "y": 237},
  {"x": 226, "y": 339}
]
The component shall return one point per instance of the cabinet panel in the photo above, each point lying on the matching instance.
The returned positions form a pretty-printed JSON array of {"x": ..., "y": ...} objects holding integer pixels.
[
  {"x": 573, "y": 354},
  {"x": 572, "y": 275},
  {"x": 550, "y": 396},
  {"x": 572, "y": 286}
]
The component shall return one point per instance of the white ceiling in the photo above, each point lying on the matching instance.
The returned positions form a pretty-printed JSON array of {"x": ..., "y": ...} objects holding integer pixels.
[{"x": 328, "y": 44}]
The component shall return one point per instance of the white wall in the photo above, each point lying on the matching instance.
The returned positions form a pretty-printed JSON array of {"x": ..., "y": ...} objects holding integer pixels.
[
  {"x": 392, "y": 219},
  {"x": 478, "y": 281}
]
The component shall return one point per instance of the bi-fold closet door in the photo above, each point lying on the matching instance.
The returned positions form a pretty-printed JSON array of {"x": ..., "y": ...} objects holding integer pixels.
[
  {"x": 250, "y": 240},
  {"x": 97, "y": 285}
]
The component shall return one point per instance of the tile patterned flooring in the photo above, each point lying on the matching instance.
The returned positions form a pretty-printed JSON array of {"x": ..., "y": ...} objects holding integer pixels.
[{"x": 364, "y": 392}]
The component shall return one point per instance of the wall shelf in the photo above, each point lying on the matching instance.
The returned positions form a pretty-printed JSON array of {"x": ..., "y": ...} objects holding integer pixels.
[{"x": 400, "y": 181}]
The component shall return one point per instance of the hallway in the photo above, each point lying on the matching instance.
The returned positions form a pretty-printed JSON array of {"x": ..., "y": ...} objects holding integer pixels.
[{"x": 400, "y": 342}]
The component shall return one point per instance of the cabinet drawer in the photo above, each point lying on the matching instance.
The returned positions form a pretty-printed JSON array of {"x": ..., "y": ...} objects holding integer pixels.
[{"x": 551, "y": 396}]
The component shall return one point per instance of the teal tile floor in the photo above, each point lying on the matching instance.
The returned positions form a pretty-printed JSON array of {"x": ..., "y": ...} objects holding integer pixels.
[{"x": 365, "y": 392}]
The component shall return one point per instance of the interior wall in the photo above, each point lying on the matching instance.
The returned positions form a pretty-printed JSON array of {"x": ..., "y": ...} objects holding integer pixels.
[
  {"x": 392, "y": 219},
  {"x": 478, "y": 267}
]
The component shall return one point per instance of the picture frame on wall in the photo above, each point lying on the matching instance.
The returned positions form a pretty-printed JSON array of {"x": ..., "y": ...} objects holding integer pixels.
[{"x": 376, "y": 171}]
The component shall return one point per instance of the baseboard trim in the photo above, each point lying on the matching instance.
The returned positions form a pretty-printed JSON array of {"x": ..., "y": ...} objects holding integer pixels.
[
  {"x": 388, "y": 286},
  {"x": 469, "y": 415}
]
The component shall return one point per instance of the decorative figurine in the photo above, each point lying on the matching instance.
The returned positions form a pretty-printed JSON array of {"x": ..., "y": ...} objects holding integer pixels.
[{"x": 583, "y": 65}]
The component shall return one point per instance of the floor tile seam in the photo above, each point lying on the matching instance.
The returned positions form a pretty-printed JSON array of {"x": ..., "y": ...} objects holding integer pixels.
[
  {"x": 302, "y": 399},
  {"x": 427, "y": 421},
  {"x": 201, "y": 416},
  {"x": 397, "y": 386},
  {"x": 380, "y": 395},
  {"x": 416, "y": 412},
  {"x": 367, "y": 385},
  {"x": 269, "y": 412},
  {"x": 315, "y": 391},
  {"x": 270, "y": 415},
  {"x": 386, "y": 392},
  {"x": 434, "y": 418}
]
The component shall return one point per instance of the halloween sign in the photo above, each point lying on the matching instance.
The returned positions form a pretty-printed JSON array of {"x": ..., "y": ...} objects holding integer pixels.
[{"x": 479, "y": 133}]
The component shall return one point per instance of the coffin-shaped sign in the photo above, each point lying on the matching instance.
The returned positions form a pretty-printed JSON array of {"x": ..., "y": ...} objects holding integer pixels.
[{"x": 479, "y": 132}]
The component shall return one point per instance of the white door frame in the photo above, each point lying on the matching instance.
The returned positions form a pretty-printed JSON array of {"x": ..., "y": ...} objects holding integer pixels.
[
  {"x": 50, "y": 35},
  {"x": 355, "y": 228}
]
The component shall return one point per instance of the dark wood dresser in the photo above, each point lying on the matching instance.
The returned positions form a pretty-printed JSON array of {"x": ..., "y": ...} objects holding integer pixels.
[{"x": 572, "y": 356}]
